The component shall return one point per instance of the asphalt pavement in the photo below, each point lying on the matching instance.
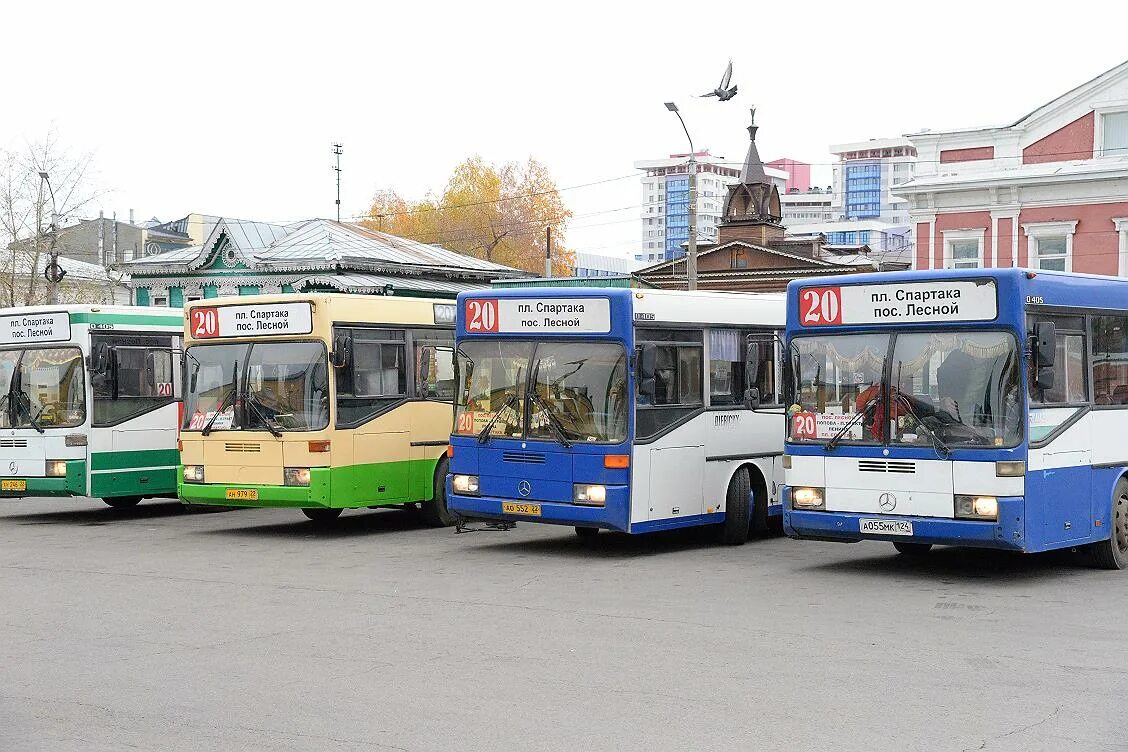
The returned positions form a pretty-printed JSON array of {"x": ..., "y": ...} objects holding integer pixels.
[{"x": 155, "y": 628}]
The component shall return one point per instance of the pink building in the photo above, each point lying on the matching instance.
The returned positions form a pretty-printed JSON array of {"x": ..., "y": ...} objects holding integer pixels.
[
  {"x": 798, "y": 174},
  {"x": 1049, "y": 191}
]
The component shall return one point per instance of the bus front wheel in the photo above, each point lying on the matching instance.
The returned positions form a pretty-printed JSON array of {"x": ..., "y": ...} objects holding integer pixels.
[
  {"x": 1113, "y": 553},
  {"x": 912, "y": 549},
  {"x": 435, "y": 511},
  {"x": 322, "y": 515},
  {"x": 738, "y": 515},
  {"x": 123, "y": 502}
]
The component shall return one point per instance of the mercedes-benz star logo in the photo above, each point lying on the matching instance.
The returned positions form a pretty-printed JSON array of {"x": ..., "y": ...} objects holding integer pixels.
[
  {"x": 524, "y": 488},
  {"x": 887, "y": 502},
  {"x": 12, "y": 468}
]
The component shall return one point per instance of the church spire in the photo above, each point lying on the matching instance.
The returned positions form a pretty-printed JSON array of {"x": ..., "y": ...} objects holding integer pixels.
[{"x": 753, "y": 170}]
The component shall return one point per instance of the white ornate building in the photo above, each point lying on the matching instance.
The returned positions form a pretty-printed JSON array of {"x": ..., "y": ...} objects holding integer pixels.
[{"x": 240, "y": 257}]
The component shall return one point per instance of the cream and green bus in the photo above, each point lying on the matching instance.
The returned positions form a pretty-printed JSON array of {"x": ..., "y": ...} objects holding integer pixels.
[
  {"x": 318, "y": 402},
  {"x": 89, "y": 402}
]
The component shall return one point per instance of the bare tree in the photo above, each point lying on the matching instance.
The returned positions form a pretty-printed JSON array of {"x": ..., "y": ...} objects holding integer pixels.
[{"x": 26, "y": 214}]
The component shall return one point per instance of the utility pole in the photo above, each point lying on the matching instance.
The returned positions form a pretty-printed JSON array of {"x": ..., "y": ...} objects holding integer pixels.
[
  {"x": 52, "y": 272},
  {"x": 548, "y": 253},
  {"x": 338, "y": 149},
  {"x": 691, "y": 255}
]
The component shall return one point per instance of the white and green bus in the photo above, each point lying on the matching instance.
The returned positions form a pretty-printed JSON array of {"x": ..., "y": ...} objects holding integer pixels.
[{"x": 89, "y": 402}]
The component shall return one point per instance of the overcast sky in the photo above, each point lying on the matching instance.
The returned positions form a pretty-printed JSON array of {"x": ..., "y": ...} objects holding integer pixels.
[{"x": 230, "y": 108}]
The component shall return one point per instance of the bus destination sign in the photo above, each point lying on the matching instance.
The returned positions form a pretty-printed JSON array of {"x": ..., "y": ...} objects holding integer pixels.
[
  {"x": 899, "y": 302},
  {"x": 206, "y": 322},
  {"x": 35, "y": 327},
  {"x": 537, "y": 315}
]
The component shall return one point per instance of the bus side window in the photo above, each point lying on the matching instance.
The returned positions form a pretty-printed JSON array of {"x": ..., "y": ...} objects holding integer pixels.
[
  {"x": 142, "y": 378},
  {"x": 727, "y": 351},
  {"x": 376, "y": 378},
  {"x": 434, "y": 372},
  {"x": 678, "y": 379},
  {"x": 1070, "y": 369}
]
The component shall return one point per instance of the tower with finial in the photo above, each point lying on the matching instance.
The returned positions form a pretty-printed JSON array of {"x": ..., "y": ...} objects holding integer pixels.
[{"x": 752, "y": 210}]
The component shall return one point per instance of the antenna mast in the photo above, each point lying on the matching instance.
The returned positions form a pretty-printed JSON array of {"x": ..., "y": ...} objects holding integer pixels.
[{"x": 338, "y": 149}]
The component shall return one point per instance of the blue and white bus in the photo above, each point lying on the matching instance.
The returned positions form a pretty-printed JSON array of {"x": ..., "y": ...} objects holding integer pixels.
[
  {"x": 966, "y": 407},
  {"x": 616, "y": 409}
]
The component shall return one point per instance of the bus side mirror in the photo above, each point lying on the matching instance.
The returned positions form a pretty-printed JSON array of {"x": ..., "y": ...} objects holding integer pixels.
[
  {"x": 752, "y": 398},
  {"x": 752, "y": 363},
  {"x": 1045, "y": 354},
  {"x": 341, "y": 357},
  {"x": 1045, "y": 344},
  {"x": 99, "y": 359},
  {"x": 426, "y": 365},
  {"x": 647, "y": 365}
]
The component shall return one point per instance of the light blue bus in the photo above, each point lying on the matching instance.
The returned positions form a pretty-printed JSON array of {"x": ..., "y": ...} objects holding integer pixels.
[
  {"x": 614, "y": 409},
  {"x": 967, "y": 407}
]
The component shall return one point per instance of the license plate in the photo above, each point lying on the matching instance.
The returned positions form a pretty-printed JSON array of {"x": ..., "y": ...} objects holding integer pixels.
[
  {"x": 511, "y": 507},
  {"x": 242, "y": 494},
  {"x": 13, "y": 485},
  {"x": 885, "y": 527}
]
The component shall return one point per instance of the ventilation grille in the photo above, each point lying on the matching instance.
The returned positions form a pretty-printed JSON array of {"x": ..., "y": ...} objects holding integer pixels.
[
  {"x": 528, "y": 458},
  {"x": 886, "y": 466},
  {"x": 242, "y": 446},
  {"x": 13, "y": 443}
]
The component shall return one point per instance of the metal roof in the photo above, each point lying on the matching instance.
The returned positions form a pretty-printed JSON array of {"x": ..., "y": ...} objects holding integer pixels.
[{"x": 367, "y": 283}]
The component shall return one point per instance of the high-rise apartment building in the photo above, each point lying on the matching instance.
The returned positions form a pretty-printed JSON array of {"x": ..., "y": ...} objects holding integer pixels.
[{"x": 866, "y": 175}]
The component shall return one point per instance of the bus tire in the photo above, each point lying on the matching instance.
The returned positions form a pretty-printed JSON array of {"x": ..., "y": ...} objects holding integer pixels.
[
  {"x": 912, "y": 549},
  {"x": 435, "y": 511},
  {"x": 322, "y": 516},
  {"x": 759, "y": 489},
  {"x": 123, "y": 502},
  {"x": 734, "y": 530},
  {"x": 1113, "y": 553},
  {"x": 587, "y": 532}
]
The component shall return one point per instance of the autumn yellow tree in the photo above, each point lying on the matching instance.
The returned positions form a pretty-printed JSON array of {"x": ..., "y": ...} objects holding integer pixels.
[{"x": 499, "y": 213}]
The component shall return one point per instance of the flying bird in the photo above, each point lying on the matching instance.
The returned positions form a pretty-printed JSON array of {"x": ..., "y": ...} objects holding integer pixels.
[{"x": 723, "y": 93}]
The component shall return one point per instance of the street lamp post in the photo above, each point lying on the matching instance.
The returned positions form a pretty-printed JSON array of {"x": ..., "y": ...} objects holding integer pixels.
[
  {"x": 691, "y": 252},
  {"x": 53, "y": 274}
]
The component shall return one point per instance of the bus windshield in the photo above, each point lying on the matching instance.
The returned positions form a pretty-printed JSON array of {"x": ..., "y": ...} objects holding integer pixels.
[
  {"x": 947, "y": 389},
  {"x": 579, "y": 393},
  {"x": 274, "y": 386},
  {"x": 42, "y": 388}
]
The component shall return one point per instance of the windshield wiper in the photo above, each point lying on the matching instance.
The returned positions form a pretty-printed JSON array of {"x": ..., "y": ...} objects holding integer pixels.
[
  {"x": 553, "y": 422},
  {"x": 484, "y": 434},
  {"x": 830, "y": 445},
  {"x": 271, "y": 425},
  {"x": 223, "y": 403},
  {"x": 943, "y": 451}
]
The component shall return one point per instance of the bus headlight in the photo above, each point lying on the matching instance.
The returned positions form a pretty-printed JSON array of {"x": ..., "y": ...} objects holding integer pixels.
[
  {"x": 295, "y": 476},
  {"x": 56, "y": 468},
  {"x": 193, "y": 473},
  {"x": 977, "y": 508},
  {"x": 588, "y": 493},
  {"x": 465, "y": 484},
  {"x": 805, "y": 497}
]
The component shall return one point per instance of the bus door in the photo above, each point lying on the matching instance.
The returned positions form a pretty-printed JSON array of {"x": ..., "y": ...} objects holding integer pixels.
[
  {"x": 433, "y": 388},
  {"x": 667, "y": 421},
  {"x": 371, "y": 387},
  {"x": 1060, "y": 472}
]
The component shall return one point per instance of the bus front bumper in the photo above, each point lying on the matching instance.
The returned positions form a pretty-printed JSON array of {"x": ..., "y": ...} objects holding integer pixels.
[
  {"x": 613, "y": 516},
  {"x": 1007, "y": 533},
  {"x": 314, "y": 496},
  {"x": 72, "y": 484}
]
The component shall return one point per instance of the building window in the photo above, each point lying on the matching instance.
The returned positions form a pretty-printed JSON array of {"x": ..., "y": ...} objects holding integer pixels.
[
  {"x": 739, "y": 258},
  {"x": 1051, "y": 245},
  {"x": 1114, "y": 134},
  {"x": 963, "y": 249},
  {"x": 160, "y": 300}
]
